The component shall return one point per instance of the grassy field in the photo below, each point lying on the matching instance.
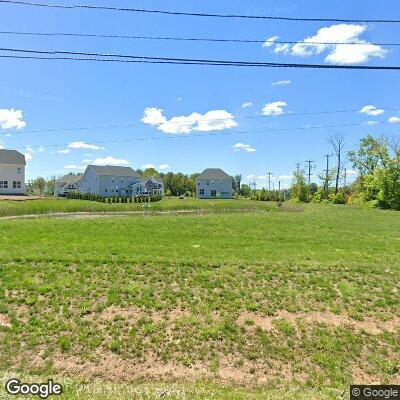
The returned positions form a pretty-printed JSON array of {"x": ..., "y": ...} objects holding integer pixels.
[
  {"x": 61, "y": 205},
  {"x": 289, "y": 305}
]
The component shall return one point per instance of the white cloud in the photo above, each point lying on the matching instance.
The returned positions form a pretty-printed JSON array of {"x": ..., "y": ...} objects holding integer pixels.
[
  {"x": 71, "y": 166},
  {"x": 243, "y": 147},
  {"x": 10, "y": 118},
  {"x": 213, "y": 120},
  {"x": 340, "y": 54},
  {"x": 64, "y": 151},
  {"x": 110, "y": 160},
  {"x": 274, "y": 108},
  {"x": 247, "y": 104},
  {"x": 86, "y": 161},
  {"x": 372, "y": 110},
  {"x": 83, "y": 145},
  {"x": 394, "y": 120},
  {"x": 153, "y": 116},
  {"x": 269, "y": 42},
  {"x": 1, "y": 145},
  {"x": 351, "y": 172},
  {"x": 285, "y": 177},
  {"x": 28, "y": 156},
  {"x": 370, "y": 123},
  {"x": 145, "y": 166},
  {"x": 282, "y": 48},
  {"x": 251, "y": 176},
  {"x": 282, "y": 83},
  {"x": 164, "y": 166}
]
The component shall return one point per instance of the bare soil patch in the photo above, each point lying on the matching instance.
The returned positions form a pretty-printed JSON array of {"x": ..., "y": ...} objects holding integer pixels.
[{"x": 368, "y": 324}]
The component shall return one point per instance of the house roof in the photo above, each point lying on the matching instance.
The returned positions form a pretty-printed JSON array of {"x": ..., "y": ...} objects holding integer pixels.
[
  {"x": 214, "y": 173},
  {"x": 70, "y": 178},
  {"x": 11, "y": 157},
  {"x": 112, "y": 170}
]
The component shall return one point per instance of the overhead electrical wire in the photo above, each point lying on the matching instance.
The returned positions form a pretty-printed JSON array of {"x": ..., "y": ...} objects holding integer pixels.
[
  {"x": 219, "y": 133},
  {"x": 195, "y": 14},
  {"x": 190, "y": 39},
  {"x": 127, "y": 58},
  {"x": 176, "y": 123}
]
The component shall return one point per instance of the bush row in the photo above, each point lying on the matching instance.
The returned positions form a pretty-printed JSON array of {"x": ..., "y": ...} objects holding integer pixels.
[{"x": 113, "y": 199}]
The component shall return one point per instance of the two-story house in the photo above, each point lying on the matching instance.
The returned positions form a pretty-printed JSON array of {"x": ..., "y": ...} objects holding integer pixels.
[
  {"x": 12, "y": 172},
  {"x": 214, "y": 183},
  {"x": 110, "y": 180},
  {"x": 67, "y": 184}
]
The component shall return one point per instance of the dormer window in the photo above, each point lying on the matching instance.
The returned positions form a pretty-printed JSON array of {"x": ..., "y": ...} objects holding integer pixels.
[{"x": 19, "y": 170}]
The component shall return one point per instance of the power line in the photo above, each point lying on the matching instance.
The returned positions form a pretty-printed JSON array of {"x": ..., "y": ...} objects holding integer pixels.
[
  {"x": 204, "y": 135},
  {"x": 191, "y": 39},
  {"x": 126, "y": 125},
  {"x": 125, "y": 58},
  {"x": 194, "y": 14}
]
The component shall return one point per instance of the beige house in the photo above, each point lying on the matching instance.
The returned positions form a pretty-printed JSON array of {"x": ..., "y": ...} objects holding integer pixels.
[{"x": 12, "y": 172}]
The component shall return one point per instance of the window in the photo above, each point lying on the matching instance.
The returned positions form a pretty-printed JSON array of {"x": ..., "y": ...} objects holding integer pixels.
[
  {"x": 3, "y": 184},
  {"x": 19, "y": 170},
  {"x": 105, "y": 190},
  {"x": 201, "y": 191},
  {"x": 213, "y": 193},
  {"x": 16, "y": 184}
]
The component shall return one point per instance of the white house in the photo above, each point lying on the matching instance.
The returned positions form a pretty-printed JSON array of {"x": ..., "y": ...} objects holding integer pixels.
[
  {"x": 214, "y": 183},
  {"x": 110, "y": 180},
  {"x": 67, "y": 184},
  {"x": 12, "y": 172}
]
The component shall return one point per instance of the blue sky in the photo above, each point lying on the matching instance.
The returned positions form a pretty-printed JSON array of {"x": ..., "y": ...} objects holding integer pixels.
[{"x": 61, "y": 94}]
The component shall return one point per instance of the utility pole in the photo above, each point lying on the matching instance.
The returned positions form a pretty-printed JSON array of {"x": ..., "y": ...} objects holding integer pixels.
[
  {"x": 327, "y": 171},
  {"x": 254, "y": 184},
  {"x": 345, "y": 178},
  {"x": 269, "y": 180},
  {"x": 279, "y": 185},
  {"x": 298, "y": 167},
  {"x": 309, "y": 162}
]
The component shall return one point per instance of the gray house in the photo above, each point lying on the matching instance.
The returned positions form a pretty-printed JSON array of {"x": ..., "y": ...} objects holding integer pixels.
[
  {"x": 214, "y": 183},
  {"x": 112, "y": 180},
  {"x": 12, "y": 172},
  {"x": 66, "y": 184}
]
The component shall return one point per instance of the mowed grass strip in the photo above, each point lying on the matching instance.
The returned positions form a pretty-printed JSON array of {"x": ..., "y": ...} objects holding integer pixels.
[{"x": 305, "y": 299}]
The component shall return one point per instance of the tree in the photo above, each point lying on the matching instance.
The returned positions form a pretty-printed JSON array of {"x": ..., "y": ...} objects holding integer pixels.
[
  {"x": 337, "y": 142},
  {"x": 300, "y": 190},
  {"x": 378, "y": 161},
  {"x": 151, "y": 172},
  {"x": 245, "y": 190},
  {"x": 371, "y": 154},
  {"x": 38, "y": 185},
  {"x": 237, "y": 180}
]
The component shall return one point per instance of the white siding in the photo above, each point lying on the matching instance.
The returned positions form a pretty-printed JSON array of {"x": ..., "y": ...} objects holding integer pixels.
[
  {"x": 10, "y": 174},
  {"x": 89, "y": 182},
  {"x": 222, "y": 188}
]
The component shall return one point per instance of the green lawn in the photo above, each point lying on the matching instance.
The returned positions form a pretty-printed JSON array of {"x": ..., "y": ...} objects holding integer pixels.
[
  {"x": 264, "y": 305},
  {"x": 53, "y": 205}
]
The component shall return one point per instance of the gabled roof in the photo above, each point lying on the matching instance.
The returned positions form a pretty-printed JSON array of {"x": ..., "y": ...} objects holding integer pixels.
[
  {"x": 214, "y": 173},
  {"x": 112, "y": 170},
  {"x": 11, "y": 157},
  {"x": 69, "y": 179}
]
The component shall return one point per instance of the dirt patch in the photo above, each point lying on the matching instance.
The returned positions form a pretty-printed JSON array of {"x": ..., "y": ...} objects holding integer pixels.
[
  {"x": 20, "y": 197},
  {"x": 134, "y": 313},
  {"x": 369, "y": 324},
  {"x": 5, "y": 321}
]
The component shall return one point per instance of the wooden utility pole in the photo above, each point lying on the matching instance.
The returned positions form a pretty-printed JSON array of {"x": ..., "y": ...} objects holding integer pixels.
[
  {"x": 309, "y": 162},
  {"x": 326, "y": 184}
]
